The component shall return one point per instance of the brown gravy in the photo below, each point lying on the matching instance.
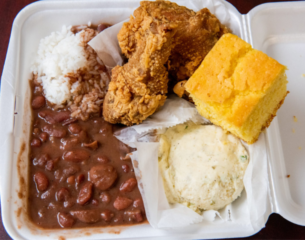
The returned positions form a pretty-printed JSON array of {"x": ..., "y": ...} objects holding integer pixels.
[{"x": 80, "y": 175}]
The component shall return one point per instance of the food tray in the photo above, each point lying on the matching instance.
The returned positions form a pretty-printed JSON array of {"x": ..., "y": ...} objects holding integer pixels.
[{"x": 271, "y": 28}]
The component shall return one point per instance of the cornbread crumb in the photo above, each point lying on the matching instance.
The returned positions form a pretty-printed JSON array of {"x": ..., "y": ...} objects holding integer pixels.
[
  {"x": 295, "y": 119},
  {"x": 238, "y": 88}
]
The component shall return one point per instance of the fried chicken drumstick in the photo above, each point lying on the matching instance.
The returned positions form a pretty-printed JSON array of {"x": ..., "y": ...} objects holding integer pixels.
[{"x": 161, "y": 38}]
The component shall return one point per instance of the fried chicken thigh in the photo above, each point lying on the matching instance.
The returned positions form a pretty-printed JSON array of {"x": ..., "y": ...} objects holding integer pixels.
[{"x": 161, "y": 38}]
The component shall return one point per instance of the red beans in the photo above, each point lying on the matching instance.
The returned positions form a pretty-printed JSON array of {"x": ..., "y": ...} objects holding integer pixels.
[
  {"x": 65, "y": 220},
  {"x": 38, "y": 102},
  {"x": 86, "y": 216},
  {"x": 50, "y": 165},
  {"x": 71, "y": 180},
  {"x": 103, "y": 176},
  {"x": 47, "y": 115},
  {"x": 57, "y": 132},
  {"x": 61, "y": 116},
  {"x": 95, "y": 202},
  {"x": 41, "y": 160},
  {"x": 62, "y": 195},
  {"x": 102, "y": 27},
  {"x": 43, "y": 136},
  {"x": 77, "y": 155},
  {"x": 74, "y": 128},
  {"x": 54, "y": 117},
  {"x": 105, "y": 197},
  {"x": 85, "y": 193},
  {"x": 107, "y": 215},
  {"x": 134, "y": 215},
  {"x": 35, "y": 142},
  {"x": 138, "y": 203},
  {"x": 125, "y": 168},
  {"x": 41, "y": 181},
  {"x": 80, "y": 178},
  {"x": 122, "y": 203},
  {"x": 70, "y": 143},
  {"x": 128, "y": 185}
]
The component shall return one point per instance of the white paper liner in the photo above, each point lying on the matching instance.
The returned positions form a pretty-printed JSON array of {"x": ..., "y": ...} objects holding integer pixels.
[
  {"x": 245, "y": 210},
  {"x": 249, "y": 209}
]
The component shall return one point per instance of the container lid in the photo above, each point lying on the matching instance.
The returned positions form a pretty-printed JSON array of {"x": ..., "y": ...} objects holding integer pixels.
[{"x": 278, "y": 29}]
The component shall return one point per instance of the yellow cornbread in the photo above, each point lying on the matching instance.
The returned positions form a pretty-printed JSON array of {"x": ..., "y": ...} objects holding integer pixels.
[{"x": 238, "y": 88}]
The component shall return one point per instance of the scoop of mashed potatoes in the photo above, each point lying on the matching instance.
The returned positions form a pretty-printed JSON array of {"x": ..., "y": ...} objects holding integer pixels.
[{"x": 202, "y": 166}]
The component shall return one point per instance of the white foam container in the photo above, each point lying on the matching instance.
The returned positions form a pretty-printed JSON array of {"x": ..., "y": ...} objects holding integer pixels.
[{"x": 278, "y": 29}]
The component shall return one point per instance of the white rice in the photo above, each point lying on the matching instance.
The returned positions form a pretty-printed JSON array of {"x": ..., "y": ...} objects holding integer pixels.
[{"x": 59, "y": 54}]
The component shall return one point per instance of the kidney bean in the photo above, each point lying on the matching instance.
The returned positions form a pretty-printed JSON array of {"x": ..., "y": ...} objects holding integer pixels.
[
  {"x": 54, "y": 117},
  {"x": 128, "y": 185},
  {"x": 41, "y": 181},
  {"x": 35, "y": 142},
  {"x": 69, "y": 203},
  {"x": 102, "y": 159},
  {"x": 41, "y": 161},
  {"x": 107, "y": 215},
  {"x": 62, "y": 195},
  {"x": 80, "y": 178},
  {"x": 74, "y": 128},
  {"x": 125, "y": 168},
  {"x": 61, "y": 116},
  {"x": 35, "y": 131},
  {"x": 69, "y": 121},
  {"x": 71, "y": 170},
  {"x": 118, "y": 218},
  {"x": 103, "y": 176},
  {"x": 85, "y": 193},
  {"x": 38, "y": 102},
  {"x": 70, "y": 143},
  {"x": 77, "y": 155},
  {"x": 86, "y": 216},
  {"x": 47, "y": 115},
  {"x": 43, "y": 136},
  {"x": 105, "y": 197},
  {"x": 134, "y": 215},
  {"x": 93, "y": 145},
  {"x": 57, "y": 132},
  {"x": 82, "y": 136},
  {"x": 101, "y": 27},
  {"x": 71, "y": 180},
  {"x": 65, "y": 220},
  {"x": 95, "y": 202},
  {"x": 50, "y": 165},
  {"x": 58, "y": 174},
  {"x": 138, "y": 203},
  {"x": 121, "y": 203}
]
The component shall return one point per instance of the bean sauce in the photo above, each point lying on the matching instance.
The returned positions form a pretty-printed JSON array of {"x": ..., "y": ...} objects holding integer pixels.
[{"x": 80, "y": 175}]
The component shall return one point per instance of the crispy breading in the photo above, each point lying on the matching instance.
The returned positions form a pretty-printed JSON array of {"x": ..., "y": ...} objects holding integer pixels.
[{"x": 162, "y": 37}]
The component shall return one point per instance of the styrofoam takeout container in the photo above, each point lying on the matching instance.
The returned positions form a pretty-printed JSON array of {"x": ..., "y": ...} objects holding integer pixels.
[{"x": 274, "y": 28}]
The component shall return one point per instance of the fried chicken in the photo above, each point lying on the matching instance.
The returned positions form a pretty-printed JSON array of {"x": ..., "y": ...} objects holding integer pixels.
[
  {"x": 139, "y": 87},
  {"x": 162, "y": 37}
]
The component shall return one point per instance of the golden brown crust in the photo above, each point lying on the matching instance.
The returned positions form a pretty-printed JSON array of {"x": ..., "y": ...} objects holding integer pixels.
[
  {"x": 231, "y": 82},
  {"x": 160, "y": 33}
]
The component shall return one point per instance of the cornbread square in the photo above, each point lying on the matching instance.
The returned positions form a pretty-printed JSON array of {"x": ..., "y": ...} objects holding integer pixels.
[{"x": 238, "y": 88}]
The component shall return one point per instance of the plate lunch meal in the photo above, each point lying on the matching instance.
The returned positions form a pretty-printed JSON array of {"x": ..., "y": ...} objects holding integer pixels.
[{"x": 129, "y": 119}]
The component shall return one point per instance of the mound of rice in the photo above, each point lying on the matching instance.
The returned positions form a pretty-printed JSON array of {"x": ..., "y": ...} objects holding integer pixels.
[{"x": 70, "y": 72}]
